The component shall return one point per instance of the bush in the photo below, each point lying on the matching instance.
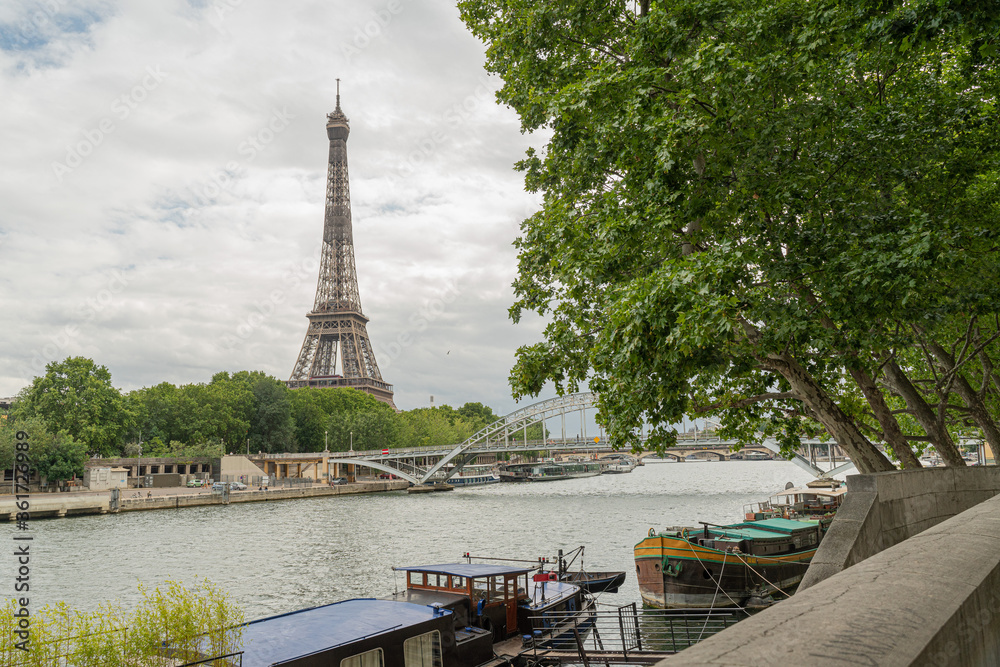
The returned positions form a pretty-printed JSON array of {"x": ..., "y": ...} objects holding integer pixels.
[{"x": 196, "y": 623}]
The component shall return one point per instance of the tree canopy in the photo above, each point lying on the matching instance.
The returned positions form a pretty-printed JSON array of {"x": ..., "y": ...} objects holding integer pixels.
[
  {"x": 76, "y": 396},
  {"x": 783, "y": 215},
  {"x": 55, "y": 456},
  {"x": 77, "y": 410}
]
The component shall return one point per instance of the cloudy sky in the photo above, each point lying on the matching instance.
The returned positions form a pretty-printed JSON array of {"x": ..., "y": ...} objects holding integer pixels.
[{"x": 163, "y": 174}]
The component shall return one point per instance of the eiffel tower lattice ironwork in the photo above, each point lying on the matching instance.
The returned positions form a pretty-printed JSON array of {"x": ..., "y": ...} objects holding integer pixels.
[{"x": 336, "y": 320}]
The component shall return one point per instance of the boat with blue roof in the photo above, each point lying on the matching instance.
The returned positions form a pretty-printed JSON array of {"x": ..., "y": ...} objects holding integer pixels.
[
  {"x": 365, "y": 633},
  {"x": 448, "y": 615}
]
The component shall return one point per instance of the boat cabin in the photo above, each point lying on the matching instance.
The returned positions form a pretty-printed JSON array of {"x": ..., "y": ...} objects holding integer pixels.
[
  {"x": 478, "y": 594},
  {"x": 503, "y": 600},
  {"x": 817, "y": 498}
]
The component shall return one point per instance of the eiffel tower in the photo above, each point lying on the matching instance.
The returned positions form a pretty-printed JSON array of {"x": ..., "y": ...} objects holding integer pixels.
[{"x": 336, "y": 319}]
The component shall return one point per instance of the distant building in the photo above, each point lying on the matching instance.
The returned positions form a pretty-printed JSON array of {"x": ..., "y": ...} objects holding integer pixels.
[{"x": 102, "y": 479}]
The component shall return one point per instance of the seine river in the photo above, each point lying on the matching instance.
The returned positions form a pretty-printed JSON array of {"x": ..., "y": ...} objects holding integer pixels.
[{"x": 279, "y": 556}]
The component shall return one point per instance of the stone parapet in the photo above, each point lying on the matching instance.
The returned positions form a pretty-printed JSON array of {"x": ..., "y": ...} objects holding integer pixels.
[{"x": 883, "y": 509}]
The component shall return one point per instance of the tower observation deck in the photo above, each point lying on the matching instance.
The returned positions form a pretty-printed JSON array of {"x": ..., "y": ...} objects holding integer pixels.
[{"x": 336, "y": 322}]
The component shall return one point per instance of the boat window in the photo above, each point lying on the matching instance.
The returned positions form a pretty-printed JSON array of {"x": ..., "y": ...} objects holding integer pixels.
[
  {"x": 371, "y": 658},
  {"x": 458, "y": 582},
  {"x": 481, "y": 588},
  {"x": 423, "y": 650}
]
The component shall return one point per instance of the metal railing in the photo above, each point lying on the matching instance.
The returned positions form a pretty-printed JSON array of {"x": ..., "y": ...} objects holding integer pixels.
[{"x": 623, "y": 635}]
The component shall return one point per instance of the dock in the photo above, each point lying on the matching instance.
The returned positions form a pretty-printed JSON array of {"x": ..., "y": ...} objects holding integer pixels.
[{"x": 430, "y": 488}]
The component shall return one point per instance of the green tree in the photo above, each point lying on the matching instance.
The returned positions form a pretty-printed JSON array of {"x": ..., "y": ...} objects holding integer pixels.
[
  {"x": 157, "y": 414},
  {"x": 477, "y": 415},
  {"x": 371, "y": 429},
  {"x": 76, "y": 396},
  {"x": 328, "y": 416},
  {"x": 437, "y": 427},
  {"x": 272, "y": 428},
  {"x": 54, "y": 456},
  {"x": 310, "y": 423},
  {"x": 751, "y": 210}
]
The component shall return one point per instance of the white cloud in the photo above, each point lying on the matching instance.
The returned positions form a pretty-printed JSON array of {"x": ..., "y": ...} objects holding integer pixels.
[{"x": 163, "y": 177}]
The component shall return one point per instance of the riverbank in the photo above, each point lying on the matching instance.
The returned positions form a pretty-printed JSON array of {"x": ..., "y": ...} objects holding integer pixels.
[{"x": 45, "y": 505}]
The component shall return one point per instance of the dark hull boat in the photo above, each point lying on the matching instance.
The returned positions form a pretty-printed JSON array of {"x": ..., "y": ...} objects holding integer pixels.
[
  {"x": 596, "y": 582},
  {"x": 741, "y": 565},
  {"x": 355, "y": 633},
  {"x": 592, "y": 582},
  {"x": 451, "y": 615}
]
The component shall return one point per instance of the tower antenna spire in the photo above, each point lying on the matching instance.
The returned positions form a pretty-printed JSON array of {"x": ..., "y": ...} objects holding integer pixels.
[{"x": 338, "y": 94}]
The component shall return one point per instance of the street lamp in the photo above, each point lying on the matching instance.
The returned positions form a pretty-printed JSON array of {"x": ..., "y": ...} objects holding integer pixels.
[
  {"x": 326, "y": 443},
  {"x": 138, "y": 464},
  {"x": 352, "y": 441}
]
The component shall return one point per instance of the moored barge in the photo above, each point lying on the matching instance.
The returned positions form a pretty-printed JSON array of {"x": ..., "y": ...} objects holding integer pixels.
[{"x": 739, "y": 565}]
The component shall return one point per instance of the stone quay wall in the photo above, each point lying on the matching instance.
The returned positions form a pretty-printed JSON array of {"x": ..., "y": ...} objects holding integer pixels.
[
  {"x": 883, "y": 509},
  {"x": 58, "y": 505},
  {"x": 172, "y": 502}
]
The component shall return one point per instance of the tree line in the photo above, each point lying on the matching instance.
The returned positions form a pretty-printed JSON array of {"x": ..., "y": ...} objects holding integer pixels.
[
  {"x": 74, "y": 411},
  {"x": 785, "y": 216}
]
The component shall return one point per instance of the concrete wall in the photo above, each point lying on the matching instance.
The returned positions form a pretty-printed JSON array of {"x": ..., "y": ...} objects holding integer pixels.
[
  {"x": 933, "y": 599},
  {"x": 884, "y": 509},
  {"x": 233, "y": 468},
  {"x": 195, "y": 500}
]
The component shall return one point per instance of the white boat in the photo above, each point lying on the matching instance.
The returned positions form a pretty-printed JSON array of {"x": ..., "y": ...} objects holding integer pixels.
[
  {"x": 475, "y": 476},
  {"x": 618, "y": 465},
  {"x": 546, "y": 472}
]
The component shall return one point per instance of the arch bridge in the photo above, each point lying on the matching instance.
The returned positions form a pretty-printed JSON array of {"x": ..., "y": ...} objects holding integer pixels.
[{"x": 509, "y": 434}]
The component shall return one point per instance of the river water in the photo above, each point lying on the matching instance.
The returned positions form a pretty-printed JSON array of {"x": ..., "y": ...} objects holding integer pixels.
[{"x": 276, "y": 557}]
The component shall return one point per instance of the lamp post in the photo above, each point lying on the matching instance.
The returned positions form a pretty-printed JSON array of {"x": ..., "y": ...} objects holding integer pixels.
[
  {"x": 352, "y": 441},
  {"x": 138, "y": 464},
  {"x": 326, "y": 442}
]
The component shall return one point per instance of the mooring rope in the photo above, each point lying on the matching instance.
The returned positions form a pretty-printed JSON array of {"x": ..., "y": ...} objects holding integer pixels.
[
  {"x": 761, "y": 576},
  {"x": 718, "y": 587},
  {"x": 718, "y": 584}
]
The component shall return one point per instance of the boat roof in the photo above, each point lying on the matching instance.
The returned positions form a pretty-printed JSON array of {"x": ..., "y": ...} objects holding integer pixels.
[
  {"x": 277, "y": 639},
  {"x": 756, "y": 530},
  {"x": 816, "y": 491},
  {"x": 469, "y": 570}
]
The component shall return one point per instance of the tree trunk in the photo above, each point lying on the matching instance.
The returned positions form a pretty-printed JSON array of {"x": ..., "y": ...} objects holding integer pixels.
[
  {"x": 891, "y": 432},
  {"x": 890, "y": 427},
  {"x": 924, "y": 414},
  {"x": 863, "y": 454},
  {"x": 969, "y": 396}
]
